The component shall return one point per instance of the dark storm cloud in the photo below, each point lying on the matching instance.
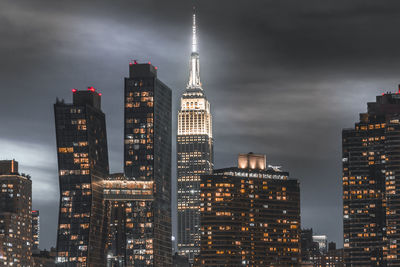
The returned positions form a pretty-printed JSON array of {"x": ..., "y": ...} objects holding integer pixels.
[{"x": 283, "y": 78}]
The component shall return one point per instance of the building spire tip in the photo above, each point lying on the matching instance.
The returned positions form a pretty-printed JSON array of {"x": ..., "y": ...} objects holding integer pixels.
[{"x": 194, "y": 29}]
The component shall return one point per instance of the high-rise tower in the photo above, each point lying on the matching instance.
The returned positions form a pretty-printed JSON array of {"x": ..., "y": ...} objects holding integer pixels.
[
  {"x": 371, "y": 185},
  {"x": 83, "y": 166},
  {"x": 147, "y": 160},
  {"x": 250, "y": 216},
  {"x": 194, "y": 154},
  {"x": 15, "y": 216}
]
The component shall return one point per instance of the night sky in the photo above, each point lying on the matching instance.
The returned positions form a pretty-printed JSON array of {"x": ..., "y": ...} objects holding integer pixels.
[{"x": 283, "y": 78}]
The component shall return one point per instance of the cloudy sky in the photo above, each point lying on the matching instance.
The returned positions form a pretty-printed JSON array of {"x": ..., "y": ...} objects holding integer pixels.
[{"x": 283, "y": 78}]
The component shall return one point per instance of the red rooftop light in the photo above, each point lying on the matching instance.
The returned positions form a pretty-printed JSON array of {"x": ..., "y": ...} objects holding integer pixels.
[
  {"x": 91, "y": 89},
  {"x": 99, "y": 94},
  {"x": 130, "y": 63},
  {"x": 155, "y": 67},
  {"x": 149, "y": 62},
  {"x": 74, "y": 90}
]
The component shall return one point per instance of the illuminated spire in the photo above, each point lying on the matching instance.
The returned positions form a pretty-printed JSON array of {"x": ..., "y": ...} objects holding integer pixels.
[
  {"x": 194, "y": 76},
  {"x": 194, "y": 28}
]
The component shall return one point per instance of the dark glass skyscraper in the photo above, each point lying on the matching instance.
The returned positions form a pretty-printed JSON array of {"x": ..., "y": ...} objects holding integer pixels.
[
  {"x": 194, "y": 155},
  {"x": 83, "y": 165},
  {"x": 15, "y": 216},
  {"x": 147, "y": 158},
  {"x": 371, "y": 185},
  {"x": 250, "y": 216}
]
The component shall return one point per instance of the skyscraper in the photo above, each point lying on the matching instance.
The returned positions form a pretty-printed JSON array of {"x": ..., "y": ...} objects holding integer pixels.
[
  {"x": 15, "y": 216},
  {"x": 147, "y": 158},
  {"x": 35, "y": 229},
  {"x": 250, "y": 216},
  {"x": 83, "y": 165},
  {"x": 194, "y": 155},
  {"x": 371, "y": 178}
]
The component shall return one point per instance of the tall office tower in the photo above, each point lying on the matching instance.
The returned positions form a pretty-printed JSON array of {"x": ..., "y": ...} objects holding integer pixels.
[
  {"x": 15, "y": 216},
  {"x": 35, "y": 229},
  {"x": 371, "y": 182},
  {"x": 147, "y": 157},
  {"x": 83, "y": 165},
  {"x": 250, "y": 216},
  {"x": 194, "y": 155}
]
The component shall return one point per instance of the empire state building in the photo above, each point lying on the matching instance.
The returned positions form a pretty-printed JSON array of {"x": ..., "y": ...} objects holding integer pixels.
[{"x": 194, "y": 155}]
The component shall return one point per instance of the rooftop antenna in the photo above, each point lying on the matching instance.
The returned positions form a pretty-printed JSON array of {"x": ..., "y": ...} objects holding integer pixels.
[{"x": 194, "y": 29}]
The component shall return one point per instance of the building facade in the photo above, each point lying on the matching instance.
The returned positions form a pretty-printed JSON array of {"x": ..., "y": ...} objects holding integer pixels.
[
  {"x": 194, "y": 155},
  {"x": 35, "y": 229},
  {"x": 308, "y": 246},
  {"x": 121, "y": 194},
  {"x": 147, "y": 158},
  {"x": 331, "y": 258},
  {"x": 180, "y": 261},
  {"x": 44, "y": 258},
  {"x": 371, "y": 178},
  {"x": 15, "y": 216},
  {"x": 315, "y": 251},
  {"x": 83, "y": 165},
  {"x": 322, "y": 241},
  {"x": 250, "y": 216},
  {"x": 116, "y": 197}
]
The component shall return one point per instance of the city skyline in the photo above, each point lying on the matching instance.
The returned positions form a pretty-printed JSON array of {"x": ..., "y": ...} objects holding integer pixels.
[{"x": 286, "y": 89}]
